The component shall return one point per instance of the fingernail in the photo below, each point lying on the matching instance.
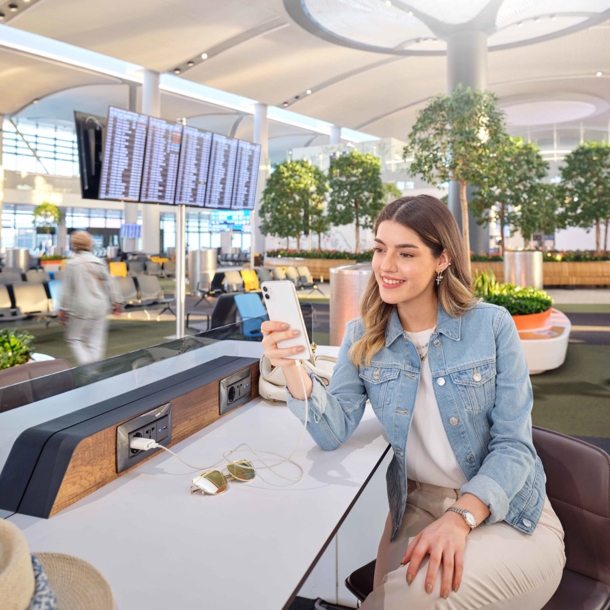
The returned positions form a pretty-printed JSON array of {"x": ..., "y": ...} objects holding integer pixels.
[
  {"x": 409, "y": 578},
  {"x": 284, "y": 325},
  {"x": 300, "y": 348},
  {"x": 445, "y": 594},
  {"x": 455, "y": 589},
  {"x": 428, "y": 588},
  {"x": 295, "y": 332}
]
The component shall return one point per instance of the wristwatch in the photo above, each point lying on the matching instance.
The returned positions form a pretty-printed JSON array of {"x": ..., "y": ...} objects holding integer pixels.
[{"x": 471, "y": 522}]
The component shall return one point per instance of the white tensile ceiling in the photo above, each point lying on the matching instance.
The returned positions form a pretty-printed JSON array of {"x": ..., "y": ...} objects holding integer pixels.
[{"x": 256, "y": 50}]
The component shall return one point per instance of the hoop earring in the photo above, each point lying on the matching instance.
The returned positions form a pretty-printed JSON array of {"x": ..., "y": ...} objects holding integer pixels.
[{"x": 439, "y": 277}]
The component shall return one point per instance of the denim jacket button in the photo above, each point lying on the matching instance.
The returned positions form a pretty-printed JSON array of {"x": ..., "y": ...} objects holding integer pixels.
[
  {"x": 453, "y": 421},
  {"x": 441, "y": 381},
  {"x": 477, "y": 376},
  {"x": 527, "y": 523},
  {"x": 470, "y": 457},
  {"x": 437, "y": 343}
]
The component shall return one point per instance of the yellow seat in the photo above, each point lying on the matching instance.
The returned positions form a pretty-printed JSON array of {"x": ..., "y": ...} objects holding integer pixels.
[
  {"x": 159, "y": 259},
  {"x": 118, "y": 269},
  {"x": 250, "y": 280}
]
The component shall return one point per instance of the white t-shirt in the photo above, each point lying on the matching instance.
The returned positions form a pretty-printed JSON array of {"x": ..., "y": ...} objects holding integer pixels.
[{"x": 430, "y": 458}]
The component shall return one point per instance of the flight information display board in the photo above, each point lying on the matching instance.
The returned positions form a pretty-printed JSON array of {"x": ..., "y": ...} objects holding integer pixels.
[
  {"x": 222, "y": 171},
  {"x": 193, "y": 166},
  {"x": 124, "y": 147},
  {"x": 161, "y": 162},
  {"x": 246, "y": 176}
]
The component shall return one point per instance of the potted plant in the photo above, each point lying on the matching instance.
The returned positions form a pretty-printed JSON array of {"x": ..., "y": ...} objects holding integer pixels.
[
  {"x": 529, "y": 307},
  {"x": 15, "y": 347}
]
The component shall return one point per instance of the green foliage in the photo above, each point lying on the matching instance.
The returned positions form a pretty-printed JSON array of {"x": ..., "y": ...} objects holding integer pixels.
[
  {"x": 455, "y": 138},
  {"x": 293, "y": 199},
  {"x": 46, "y": 216},
  {"x": 518, "y": 300},
  {"x": 514, "y": 192},
  {"x": 390, "y": 192},
  {"x": 483, "y": 257},
  {"x": 586, "y": 188},
  {"x": 15, "y": 347},
  {"x": 356, "y": 191},
  {"x": 52, "y": 257},
  {"x": 327, "y": 254},
  {"x": 575, "y": 256}
]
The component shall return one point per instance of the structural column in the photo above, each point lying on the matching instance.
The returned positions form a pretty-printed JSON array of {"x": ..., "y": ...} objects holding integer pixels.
[
  {"x": 130, "y": 244},
  {"x": 467, "y": 65},
  {"x": 151, "y": 215},
  {"x": 335, "y": 135},
  {"x": 1, "y": 174},
  {"x": 261, "y": 136}
]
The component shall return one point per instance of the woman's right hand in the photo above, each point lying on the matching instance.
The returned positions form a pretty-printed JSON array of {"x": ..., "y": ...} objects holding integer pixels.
[{"x": 273, "y": 332}]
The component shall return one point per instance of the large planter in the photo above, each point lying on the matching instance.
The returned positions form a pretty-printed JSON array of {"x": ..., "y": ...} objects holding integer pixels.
[
  {"x": 595, "y": 273},
  {"x": 532, "y": 321},
  {"x": 318, "y": 267},
  {"x": 52, "y": 265}
]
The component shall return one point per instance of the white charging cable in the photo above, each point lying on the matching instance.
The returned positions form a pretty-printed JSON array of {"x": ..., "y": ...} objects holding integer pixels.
[{"x": 145, "y": 444}]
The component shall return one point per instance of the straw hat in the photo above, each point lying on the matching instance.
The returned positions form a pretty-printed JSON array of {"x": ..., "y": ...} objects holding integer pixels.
[{"x": 75, "y": 584}]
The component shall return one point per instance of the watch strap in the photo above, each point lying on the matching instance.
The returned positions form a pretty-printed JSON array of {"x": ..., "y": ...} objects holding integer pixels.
[{"x": 463, "y": 512}]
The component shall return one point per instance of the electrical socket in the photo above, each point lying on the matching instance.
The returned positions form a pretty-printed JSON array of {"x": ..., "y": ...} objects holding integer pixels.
[
  {"x": 155, "y": 424},
  {"x": 235, "y": 390}
]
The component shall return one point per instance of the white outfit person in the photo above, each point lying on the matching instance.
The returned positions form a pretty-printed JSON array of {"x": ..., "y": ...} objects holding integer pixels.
[{"x": 87, "y": 298}]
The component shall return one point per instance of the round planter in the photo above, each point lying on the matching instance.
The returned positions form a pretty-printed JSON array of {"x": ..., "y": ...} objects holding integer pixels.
[{"x": 533, "y": 321}]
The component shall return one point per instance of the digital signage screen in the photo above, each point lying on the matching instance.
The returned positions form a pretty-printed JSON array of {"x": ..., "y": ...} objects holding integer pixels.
[
  {"x": 193, "y": 167},
  {"x": 221, "y": 173},
  {"x": 246, "y": 176}
]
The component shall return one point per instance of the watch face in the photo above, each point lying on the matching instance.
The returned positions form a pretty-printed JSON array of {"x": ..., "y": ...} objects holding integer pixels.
[{"x": 470, "y": 519}]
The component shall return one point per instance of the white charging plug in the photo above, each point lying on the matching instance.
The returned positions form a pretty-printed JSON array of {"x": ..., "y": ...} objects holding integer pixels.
[{"x": 142, "y": 444}]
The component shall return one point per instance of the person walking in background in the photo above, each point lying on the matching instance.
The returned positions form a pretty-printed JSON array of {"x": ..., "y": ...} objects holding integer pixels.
[{"x": 88, "y": 297}]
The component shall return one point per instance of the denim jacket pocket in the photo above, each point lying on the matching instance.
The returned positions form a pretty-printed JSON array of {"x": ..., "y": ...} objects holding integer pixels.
[
  {"x": 379, "y": 382},
  {"x": 476, "y": 386}
]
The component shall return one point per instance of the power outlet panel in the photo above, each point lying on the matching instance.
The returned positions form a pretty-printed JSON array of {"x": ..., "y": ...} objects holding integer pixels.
[
  {"x": 155, "y": 424},
  {"x": 235, "y": 390}
]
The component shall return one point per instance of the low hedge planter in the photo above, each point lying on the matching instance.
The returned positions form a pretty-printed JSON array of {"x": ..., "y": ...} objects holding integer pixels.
[
  {"x": 532, "y": 321},
  {"x": 318, "y": 267}
]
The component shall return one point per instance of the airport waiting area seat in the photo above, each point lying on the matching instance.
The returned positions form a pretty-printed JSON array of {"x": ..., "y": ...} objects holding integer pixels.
[
  {"x": 264, "y": 274},
  {"x": 578, "y": 486},
  {"x": 37, "y": 276},
  {"x": 252, "y": 313},
  {"x": 169, "y": 269},
  {"x": 250, "y": 279},
  {"x": 143, "y": 292},
  {"x": 8, "y": 312},
  {"x": 10, "y": 276},
  {"x": 117, "y": 268},
  {"x": 153, "y": 268},
  {"x": 33, "y": 301},
  {"x": 135, "y": 267},
  {"x": 233, "y": 281},
  {"x": 279, "y": 274},
  {"x": 306, "y": 280}
]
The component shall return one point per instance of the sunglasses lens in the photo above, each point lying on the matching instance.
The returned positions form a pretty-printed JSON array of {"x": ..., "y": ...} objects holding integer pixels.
[
  {"x": 242, "y": 470},
  {"x": 211, "y": 482}
]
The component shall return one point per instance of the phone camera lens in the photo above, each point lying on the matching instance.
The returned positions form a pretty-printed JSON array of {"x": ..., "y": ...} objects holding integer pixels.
[
  {"x": 265, "y": 288},
  {"x": 266, "y": 296}
]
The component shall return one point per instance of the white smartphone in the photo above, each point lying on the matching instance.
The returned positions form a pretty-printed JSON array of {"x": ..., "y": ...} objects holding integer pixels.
[{"x": 283, "y": 306}]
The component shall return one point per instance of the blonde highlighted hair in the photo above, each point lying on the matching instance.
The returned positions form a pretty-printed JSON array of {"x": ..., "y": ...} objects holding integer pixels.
[{"x": 433, "y": 222}]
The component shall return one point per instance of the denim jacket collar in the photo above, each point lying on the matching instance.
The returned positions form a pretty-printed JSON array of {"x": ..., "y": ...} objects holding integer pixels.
[{"x": 445, "y": 325}]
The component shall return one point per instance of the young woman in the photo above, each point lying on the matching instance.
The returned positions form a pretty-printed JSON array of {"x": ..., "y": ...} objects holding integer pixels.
[{"x": 470, "y": 525}]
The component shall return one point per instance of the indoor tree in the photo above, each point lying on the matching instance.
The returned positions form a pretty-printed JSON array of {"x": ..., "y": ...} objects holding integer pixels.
[
  {"x": 586, "y": 188},
  {"x": 356, "y": 191},
  {"x": 512, "y": 187},
  {"x": 291, "y": 200},
  {"x": 46, "y": 216},
  {"x": 454, "y": 138}
]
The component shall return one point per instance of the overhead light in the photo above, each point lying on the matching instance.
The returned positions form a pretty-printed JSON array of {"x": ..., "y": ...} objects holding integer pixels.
[
  {"x": 285, "y": 104},
  {"x": 598, "y": 73},
  {"x": 520, "y": 24},
  {"x": 204, "y": 56},
  {"x": 308, "y": 91},
  {"x": 13, "y": 7},
  {"x": 190, "y": 64},
  {"x": 177, "y": 71}
]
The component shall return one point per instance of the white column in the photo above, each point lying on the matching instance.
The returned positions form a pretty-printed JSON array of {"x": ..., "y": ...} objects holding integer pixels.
[
  {"x": 261, "y": 136},
  {"x": 335, "y": 135},
  {"x": 151, "y": 215},
  {"x": 130, "y": 244},
  {"x": 1, "y": 175}
]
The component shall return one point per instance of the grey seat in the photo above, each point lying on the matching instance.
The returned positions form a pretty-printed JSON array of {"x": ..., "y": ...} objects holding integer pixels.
[
  {"x": 32, "y": 299},
  {"x": 127, "y": 288},
  {"x": 37, "y": 276},
  {"x": 278, "y": 274},
  {"x": 7, "y": 311},
  {"x": 263, "y": 274},
  {"x": 10, "y": 277},
  {"x": 293, "y": 275},
  {"x": 151, "y": 293},
  {"x": 233, "y": 281},
  {"x": 135, "y": 267},
  {"x": 153, "y": 268},
  {"x": 306, "y": 280},
  {"x": 169, "y": 268}
]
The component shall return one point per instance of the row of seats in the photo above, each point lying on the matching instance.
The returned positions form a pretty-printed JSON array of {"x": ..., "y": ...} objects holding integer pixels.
[
  {"x": 141, "y": 267},
  {"x": 29, "y": 300},
  {"x": 142, "y": 291},
  {"x": 34, "y": 276},
  {"x": 239, "y": 258}
]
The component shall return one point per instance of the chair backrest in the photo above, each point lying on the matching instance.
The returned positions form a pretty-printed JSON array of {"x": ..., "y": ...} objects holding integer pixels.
[
  {"x": 578, "y": 486},
  {"x": 264, "y": 274},
  {"x": 10, "y": 277},
  {"x": 293, "y": 275},
  {"x": 169, "y": 268},
  {"x": 234, "y": 281},
  {"x": 278, "y": 274},
  {"x": 218, "y": 281},
  {"x": 252, "y": 312},
  {"x": 150, "y": 288},
  {"x": 304, "y": 272},
  {"x": 250, "y": 280},
  {"x": 55, "y": 289},
  {"x": 118, "y": 269},
  {"x": 37, "y": 276},
  {"x": 31, "y": 298},
  {"x": 153, "y": 268},
  {"x": 127, "y": 288},
  {"x": 225, "y": 311},
  {"x": 5, "y": 298},
  {"x": 58, "y": 275},
  {"x": 135, "y": 267}
]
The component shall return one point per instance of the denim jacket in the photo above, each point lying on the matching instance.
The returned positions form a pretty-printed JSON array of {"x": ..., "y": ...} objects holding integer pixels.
[{"x": 484, "y": 396}]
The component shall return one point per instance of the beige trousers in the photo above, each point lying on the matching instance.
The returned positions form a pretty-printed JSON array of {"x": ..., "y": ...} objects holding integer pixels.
[
  {"x": 87, "y": 338},
  {"x": 503, "y": 568}
]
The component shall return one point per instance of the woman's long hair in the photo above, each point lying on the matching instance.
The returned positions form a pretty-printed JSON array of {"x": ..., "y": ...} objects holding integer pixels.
[{"x": 433, "y": 222}]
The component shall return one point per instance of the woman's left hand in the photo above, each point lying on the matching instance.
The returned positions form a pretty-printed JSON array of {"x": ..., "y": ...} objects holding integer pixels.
[{"x": 445, "y": 541}]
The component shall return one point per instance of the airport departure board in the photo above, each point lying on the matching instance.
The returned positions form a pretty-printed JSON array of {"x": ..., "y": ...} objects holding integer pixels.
[
  {"x": 222, "y": 171},
  {"x": 121, "y": 175},
  {"x": 246, "y": 176},
  {"x": 161, "y": 161},
  {"x": 193, "y": 167}
]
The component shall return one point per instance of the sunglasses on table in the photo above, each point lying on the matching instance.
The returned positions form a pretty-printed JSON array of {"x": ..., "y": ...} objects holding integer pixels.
[{"x": 215, "y": 482}]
